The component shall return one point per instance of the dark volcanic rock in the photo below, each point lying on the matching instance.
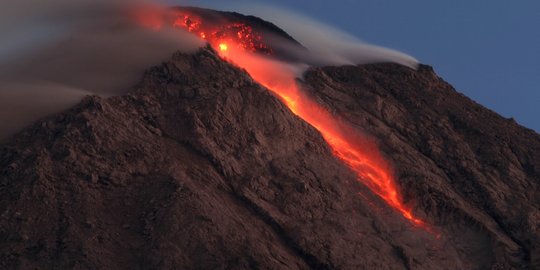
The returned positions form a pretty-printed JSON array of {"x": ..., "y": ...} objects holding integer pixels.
[
  {"x": 200, "y": 167},
  {"x": 474, "y": 173}
]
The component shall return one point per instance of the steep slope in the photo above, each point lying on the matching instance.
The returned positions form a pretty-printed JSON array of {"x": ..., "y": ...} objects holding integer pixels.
[
  {"x": 200, "y": 167},
  {"x": 475, "y": 173}
]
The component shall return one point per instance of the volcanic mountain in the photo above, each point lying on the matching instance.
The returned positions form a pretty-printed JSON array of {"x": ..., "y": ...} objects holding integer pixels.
[{"x": 200, "y": 166}]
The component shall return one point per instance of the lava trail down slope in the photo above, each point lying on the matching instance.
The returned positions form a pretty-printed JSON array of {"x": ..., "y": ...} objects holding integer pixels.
[{"x": 239, "y": 42}]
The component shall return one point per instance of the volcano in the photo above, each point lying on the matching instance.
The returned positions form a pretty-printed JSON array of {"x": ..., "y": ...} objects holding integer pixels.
[{"x": 210, "y": 163}]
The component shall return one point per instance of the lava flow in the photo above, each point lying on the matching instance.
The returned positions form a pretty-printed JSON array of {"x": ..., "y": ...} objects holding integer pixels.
[
  {"x": 359, "y": 154},
  {"x": 239, "y": 44}
]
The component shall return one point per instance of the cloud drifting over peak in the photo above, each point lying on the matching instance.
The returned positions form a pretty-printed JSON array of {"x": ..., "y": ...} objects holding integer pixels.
[
  {"x": 328, "y": 45},
  {"x": 54, "y": 52}
]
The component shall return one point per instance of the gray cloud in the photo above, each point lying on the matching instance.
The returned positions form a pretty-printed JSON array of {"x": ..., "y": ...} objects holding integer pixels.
[{"x": 57, "y": 51}]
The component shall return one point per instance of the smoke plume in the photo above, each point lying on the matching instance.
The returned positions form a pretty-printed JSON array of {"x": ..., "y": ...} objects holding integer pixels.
[
  {"x": 329, "y": 46},
  {"x": 57, "y": 51}
]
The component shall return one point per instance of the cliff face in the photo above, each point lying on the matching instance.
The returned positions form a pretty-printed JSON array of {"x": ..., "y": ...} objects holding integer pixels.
[{"x": 200, "y": 167}]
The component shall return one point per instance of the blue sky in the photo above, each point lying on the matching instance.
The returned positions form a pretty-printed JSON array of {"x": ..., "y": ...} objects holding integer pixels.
[{"x": 489, "y": 50}]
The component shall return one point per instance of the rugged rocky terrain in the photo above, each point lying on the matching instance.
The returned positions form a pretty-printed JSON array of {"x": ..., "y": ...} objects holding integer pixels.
[
  {"x": 474, "y": 173},
  {"x": 200, "y": 167}
]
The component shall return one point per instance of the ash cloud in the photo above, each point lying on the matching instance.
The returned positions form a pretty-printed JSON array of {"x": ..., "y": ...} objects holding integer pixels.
[{"x": 55, "y": 52}]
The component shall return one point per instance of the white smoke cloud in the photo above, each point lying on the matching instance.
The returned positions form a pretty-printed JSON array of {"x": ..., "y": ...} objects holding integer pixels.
[
  {"x": 54, "y": 52},
  {"x": 326, "y": 45}
]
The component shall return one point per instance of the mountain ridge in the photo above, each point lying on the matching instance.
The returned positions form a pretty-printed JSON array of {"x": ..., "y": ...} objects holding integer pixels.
[{"x": 200, "y": 167}]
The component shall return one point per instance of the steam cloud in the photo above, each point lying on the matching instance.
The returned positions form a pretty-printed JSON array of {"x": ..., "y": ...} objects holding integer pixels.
[{"x": 55, "y": 52}]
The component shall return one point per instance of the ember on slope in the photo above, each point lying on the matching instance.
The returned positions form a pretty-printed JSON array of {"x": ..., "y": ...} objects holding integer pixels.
[{"x": 237, "y": 43}]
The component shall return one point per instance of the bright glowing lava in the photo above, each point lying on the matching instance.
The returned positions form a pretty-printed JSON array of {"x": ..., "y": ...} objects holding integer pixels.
[
  {"x": 358, "y": 153},
  {"x": 237, "y": 43},
  {"x": 223, "y": 47}
]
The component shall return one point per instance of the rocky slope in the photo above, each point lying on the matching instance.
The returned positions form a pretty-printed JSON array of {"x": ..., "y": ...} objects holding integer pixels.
[
  {"x": 473, "y": 172},
  {"x": 200, "y": 167}
]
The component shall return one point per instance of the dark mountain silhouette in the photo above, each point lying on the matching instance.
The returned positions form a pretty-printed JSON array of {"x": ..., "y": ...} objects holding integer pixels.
[{"x": 199, "y": 167}]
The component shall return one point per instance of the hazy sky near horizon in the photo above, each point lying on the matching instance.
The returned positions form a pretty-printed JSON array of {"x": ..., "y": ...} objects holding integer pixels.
[{"x": 488, "y": 50}]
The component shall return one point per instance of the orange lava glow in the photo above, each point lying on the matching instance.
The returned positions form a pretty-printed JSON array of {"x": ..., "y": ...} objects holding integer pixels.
[
  {"x": 223, "y": 47},
  {"x": 241, "y": 35},
  {"x": 237, "y": 43},
  {"x": 356, "y": 151}
]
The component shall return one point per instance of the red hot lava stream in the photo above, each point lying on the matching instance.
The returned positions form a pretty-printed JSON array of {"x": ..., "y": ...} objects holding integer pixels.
[
  {"x": 237, "y": 43},
  {"x": 359, "y": 154}
]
